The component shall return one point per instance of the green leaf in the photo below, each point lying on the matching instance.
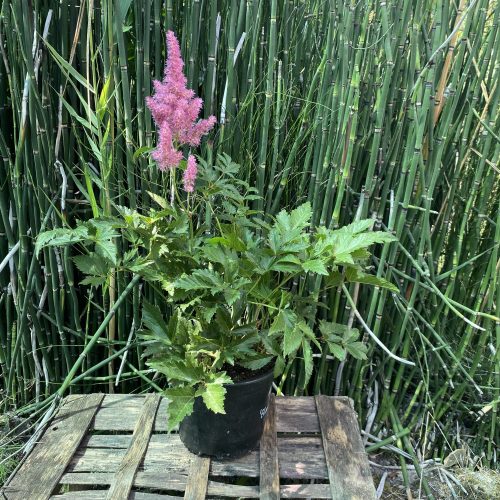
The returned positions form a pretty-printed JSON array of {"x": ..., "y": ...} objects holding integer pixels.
[
  {"x": 287, "y": 264},
  {"x": 107, "y": 249},
  {"x": 354, "y": 275},
  {"x": 153, "y": 320},
  {"x": 315, "y": 266},
  {"x": 94, "y": 280},
  {"x": 181, "y": 404},
  {"x": 213, "y": 396},
  {"x": 337, "y": 351},
  {"x": 301, "y": 216},
  {"x": 345, "y": 244},
  {"x": 284, "y": 320},
  {"x": 159, "y": 200},
  {"x": 200, "y": 279},
  {"x": 291, "y": 340},
  {"x": 358, "y": 226},
  {"x": 141, "y": 151},
  {"x": 176, "y": 370},
  {"x": 279, "y": 366},
  {"x": 328, "y": 328},
  {"x": 357, "y": 350},
  {"x": 104, "y": 98},
  {"x": 308, "y": 361},
  {"x": 68, "y": 69},
  {"x": 60, "y": 237},
  {"x": 257, "y": 363},
  {"x": 92, "y": 264}
]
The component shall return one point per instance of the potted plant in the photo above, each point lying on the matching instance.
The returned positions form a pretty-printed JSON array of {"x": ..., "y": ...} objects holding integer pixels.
[{"x": 230, "y": 319}]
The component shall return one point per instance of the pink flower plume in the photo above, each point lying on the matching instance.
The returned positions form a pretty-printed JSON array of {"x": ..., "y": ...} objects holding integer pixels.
[
  {"x": 190, "y": 174},
  {"x": 175, "y": 110}
]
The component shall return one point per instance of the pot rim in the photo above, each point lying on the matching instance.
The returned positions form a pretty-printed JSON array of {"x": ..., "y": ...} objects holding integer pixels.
[{"x": 253, "y": 379}]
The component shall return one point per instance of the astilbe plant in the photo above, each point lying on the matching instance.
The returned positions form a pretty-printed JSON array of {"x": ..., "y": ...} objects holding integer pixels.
[
  {"x": 175, "y": 110},
  {"x": 227, "y": 274}
]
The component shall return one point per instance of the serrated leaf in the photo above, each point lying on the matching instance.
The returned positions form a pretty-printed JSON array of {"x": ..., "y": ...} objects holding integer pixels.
[
  {"x": 176, "y": 370},
  {"x": 213, "y": 396},
  {"x": 279, "y": 366},
  {"x": 284, "y": 320},
  {"x": 200, "y": 279},
  {"x": 336, "y": 350},
  {"x": 315, "y": 266},
  {"x": 61, "y": 237},
  {"x": 181, "y": 404},
  {"x": 345, "y": 244},
  {"x": 291, "y": 340},
  {"x": 358, "y": 226},
  {"x": 159, "y": 199},
  {"x": 256, "y": 363},
  {"x": 308, "y": 361},
  {"x": 94, "y": 280},
  {"x": 153, "y": 321},
  {"x": 107, "y": 249},
  {"x": 287, "y": 264},
  {"x": 327, "y": 328},
  {"x": 301, "y": 216},
  {"x": 357, "y": 350},
  {"x": 91, "y": 264},
  {"x": 356, "y": 276},
  {"x": 350, "y": 335}
]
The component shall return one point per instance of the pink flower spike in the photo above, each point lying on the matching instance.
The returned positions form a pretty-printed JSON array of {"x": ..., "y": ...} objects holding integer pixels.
[
  {"x": 165, "y": 153},
  {"x": 175, "y": 110},
  {"x": 190, "y": 174}
]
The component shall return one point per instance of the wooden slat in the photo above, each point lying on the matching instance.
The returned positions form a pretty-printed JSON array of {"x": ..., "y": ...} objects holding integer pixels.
[
  {"x": 348, "y": 468},
  {"x": 316, "y": 491},
  {"x": 163, "y": 481},
  {"x": 300, "y": 457},
  {"x": 196, "y": 487},
  {"x": 154, "y": 480},
  {"x": 296, "y": 414},
  {"x": 269, "y": 470},
  {"x": 124, "y": 479},
  {"x": 130, "y": 410},
  {"x": 40, "y": 473},
  {"x": 100, "y": 494}
]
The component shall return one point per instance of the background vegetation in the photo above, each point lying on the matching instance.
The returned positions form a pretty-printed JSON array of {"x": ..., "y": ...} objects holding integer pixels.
[{"x": 366, "y": 109}]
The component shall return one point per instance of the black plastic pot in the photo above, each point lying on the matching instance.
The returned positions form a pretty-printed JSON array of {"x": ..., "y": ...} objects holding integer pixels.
[{"x": 236, "y": 432}]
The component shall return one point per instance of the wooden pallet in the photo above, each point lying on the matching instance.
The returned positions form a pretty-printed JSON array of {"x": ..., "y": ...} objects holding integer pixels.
[{"x": 117, "y": 447}]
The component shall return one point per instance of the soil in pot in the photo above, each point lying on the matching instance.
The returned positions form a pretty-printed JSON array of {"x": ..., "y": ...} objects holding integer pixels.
[{"x": 238, "y": 431}]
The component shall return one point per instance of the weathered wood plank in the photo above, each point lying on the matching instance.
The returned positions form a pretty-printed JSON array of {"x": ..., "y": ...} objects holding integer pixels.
[
  {"x": 316, "y": 491},
  {"x": 162, "y": 481},
  {"x": 130, "y": 410},
  {"x": 269, "y": 470},
  {"x": 299, "y": 457},
  {"x": 154, "y": 480},
  {"x": 106, "y": 441},
  {"x": 196, "y": 487},
  {"x": 40, "y": 473},
  {"x": 100, "y": 494},
  {"x": 124, "y": 479},
  {"x": 296, "y": 414},
  {"x": 348, "y": 469}
]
